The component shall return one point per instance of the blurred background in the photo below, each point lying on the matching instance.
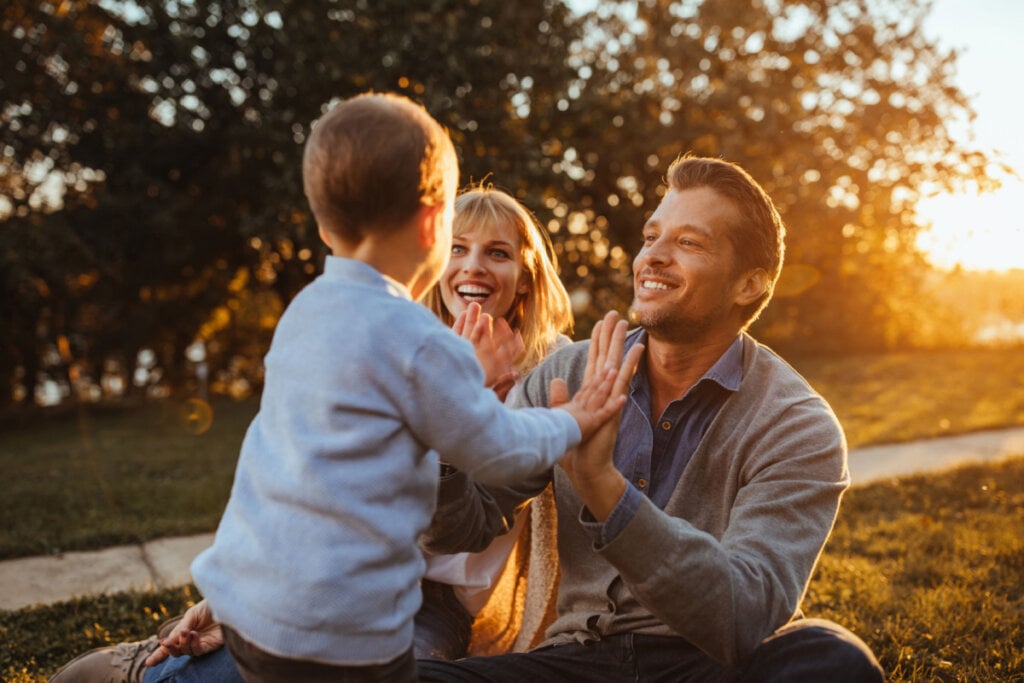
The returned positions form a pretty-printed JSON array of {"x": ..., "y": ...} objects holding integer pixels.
[{"x": 152, "y": 223}]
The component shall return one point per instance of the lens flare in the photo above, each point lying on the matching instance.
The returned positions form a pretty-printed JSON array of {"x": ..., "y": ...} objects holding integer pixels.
[{"x": 196, "y": 416}]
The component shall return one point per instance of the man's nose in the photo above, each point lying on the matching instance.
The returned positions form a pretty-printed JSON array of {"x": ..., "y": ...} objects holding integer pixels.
[{"x": 653, "y": 253}]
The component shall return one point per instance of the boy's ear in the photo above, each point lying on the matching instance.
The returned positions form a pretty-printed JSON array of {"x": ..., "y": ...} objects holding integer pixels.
[
  {"x": 427, "y": 223},
  {"x": 325, "y": 237},
  {"x": 751, "y": 286}
]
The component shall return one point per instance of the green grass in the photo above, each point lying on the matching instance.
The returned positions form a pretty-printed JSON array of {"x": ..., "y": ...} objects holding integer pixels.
[
  {"x": 927, "y": 570},
  {"x": 95, "y": 479},
  {"x": 895, "y": 397},
  {"x": 39, "y": 641}
]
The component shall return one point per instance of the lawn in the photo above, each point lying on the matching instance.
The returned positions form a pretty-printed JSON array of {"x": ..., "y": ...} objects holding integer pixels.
[
  {"x": 928, "y": 571},
  {"x": 886, "y": 398},
  {"x": 95, "y": 479}
]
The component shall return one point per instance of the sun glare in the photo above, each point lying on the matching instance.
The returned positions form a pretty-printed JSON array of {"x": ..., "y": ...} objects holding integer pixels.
[{"x": 976, "y": 232}]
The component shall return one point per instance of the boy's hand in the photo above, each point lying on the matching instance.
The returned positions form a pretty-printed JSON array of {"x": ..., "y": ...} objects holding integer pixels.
[
  {"x": 196, "y": 634},
  {"x": 496, "y": 345},
  {"x": 605, "y": 378}
]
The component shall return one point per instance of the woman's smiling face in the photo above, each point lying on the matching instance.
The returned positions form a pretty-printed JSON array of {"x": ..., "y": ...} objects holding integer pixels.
[{"x": 485, "y": 267}]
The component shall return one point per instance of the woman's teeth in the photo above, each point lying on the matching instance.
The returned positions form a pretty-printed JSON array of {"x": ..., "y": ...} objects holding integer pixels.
[{"x": 472, "y": 292}]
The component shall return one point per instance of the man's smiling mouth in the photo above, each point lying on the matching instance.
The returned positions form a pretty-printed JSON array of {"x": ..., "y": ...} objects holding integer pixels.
[{"x": 651, "y": 284}]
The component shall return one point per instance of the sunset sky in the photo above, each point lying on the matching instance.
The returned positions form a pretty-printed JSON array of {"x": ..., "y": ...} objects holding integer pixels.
[{"x": 983, "y": 232}]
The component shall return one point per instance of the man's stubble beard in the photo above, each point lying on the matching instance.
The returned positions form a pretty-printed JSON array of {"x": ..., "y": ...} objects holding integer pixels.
[{"x": 674, "y": 326}]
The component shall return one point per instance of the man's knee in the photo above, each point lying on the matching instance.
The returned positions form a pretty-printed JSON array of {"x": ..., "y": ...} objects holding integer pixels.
[{"x": 813, "y": 650}]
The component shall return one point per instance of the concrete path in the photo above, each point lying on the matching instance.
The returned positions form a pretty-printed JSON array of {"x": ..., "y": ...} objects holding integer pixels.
[
  {"x": 164, "y": 563},
  {"x": 43, "y": 580},
  {"x": 873, "y": 463}
]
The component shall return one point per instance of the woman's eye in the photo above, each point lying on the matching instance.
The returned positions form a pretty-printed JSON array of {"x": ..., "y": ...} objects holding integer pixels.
[
  {"x": 458, "y": 249},
  {"x": 500, "y": 253}
]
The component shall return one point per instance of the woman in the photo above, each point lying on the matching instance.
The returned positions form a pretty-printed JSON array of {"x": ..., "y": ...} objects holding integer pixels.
[{"x": 502, "y": 260}]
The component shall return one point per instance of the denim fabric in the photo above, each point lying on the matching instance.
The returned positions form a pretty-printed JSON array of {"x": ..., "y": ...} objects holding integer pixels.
[
  {"x": 808, "y": 651},
  {"x": 442, "y": 626},
  {"x": 653, "y": 456},
  {"x": 215, "y": 667}
]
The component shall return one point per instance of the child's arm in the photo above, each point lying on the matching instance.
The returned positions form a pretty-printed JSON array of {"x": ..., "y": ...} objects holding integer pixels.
[
  {"x": 606, "y": 378},
  {"x": 470, "y": 428}
]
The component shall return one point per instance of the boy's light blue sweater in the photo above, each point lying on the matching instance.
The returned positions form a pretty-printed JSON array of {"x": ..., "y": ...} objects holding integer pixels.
[{"x": 316, "y": 555}]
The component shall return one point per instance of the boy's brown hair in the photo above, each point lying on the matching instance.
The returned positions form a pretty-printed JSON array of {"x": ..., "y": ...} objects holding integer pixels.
[{"x": 372, "y": 161}]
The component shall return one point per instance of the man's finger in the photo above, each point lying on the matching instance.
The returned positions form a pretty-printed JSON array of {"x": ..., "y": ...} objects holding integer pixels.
[
  {"x": 628, "y": 369},
  {"x": 592, "y": 352}
]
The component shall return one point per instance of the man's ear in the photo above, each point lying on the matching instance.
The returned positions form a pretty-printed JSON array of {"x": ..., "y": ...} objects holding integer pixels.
[
  {"x": 428, "y": 222},
  {"x": 751, "y": 286}
]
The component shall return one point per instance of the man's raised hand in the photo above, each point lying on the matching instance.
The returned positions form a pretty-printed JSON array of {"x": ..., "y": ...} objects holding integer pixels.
[{"x": 606, "y": 377}]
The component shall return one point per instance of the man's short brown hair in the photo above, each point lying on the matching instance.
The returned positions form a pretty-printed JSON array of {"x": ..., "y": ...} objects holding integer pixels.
[{"x": 372, "y": 161}]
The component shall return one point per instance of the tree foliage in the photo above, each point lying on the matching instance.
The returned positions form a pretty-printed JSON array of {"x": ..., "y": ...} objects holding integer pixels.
[
  {"x": 149, "y": 152},
  {"x": 839, "y": 108}
]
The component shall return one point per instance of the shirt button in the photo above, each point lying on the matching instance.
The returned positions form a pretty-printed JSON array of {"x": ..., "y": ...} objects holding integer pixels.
[
  {"x": 666, "y": 425},
  {"x": 642, "y": 483}
]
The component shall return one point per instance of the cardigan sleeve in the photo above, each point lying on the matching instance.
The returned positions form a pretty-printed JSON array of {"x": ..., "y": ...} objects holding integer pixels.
[
  {"x": 725, "y": 591},
  {"x": 469, "y": 515}
]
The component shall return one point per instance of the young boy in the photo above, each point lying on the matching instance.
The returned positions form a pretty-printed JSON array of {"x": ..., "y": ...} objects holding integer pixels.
[{"x": 315, "y": 570}]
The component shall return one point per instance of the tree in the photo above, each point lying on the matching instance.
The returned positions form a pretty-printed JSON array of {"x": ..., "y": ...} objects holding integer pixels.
[
  {"x": 839, "y": 108},
  {"x": 174, "y": 132}
]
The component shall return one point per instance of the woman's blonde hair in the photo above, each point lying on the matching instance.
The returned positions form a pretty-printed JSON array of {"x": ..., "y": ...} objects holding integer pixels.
[{"x": 544, "y": 311}]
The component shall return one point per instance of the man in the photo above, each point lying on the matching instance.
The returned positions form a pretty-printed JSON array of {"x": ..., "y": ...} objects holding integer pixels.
[{"x": 687, "y": 539}]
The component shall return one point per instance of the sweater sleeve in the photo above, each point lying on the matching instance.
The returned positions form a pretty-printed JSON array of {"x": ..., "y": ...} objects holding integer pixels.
[
  {"x": 469, "y": 515},
  {"x": 450, "y": 410},
  {"x": 726, "y": 593}
]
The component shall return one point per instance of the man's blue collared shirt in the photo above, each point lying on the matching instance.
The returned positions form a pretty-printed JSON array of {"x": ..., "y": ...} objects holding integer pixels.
[{"x": 652, "y": 455}]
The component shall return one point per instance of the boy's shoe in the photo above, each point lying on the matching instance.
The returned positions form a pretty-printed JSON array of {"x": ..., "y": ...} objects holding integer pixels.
[{"x": 122, "y": 663}]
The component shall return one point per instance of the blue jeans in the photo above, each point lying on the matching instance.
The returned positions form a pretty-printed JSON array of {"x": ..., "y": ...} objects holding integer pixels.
[
  {"x": 807, "y": 651},
  {"x": 216, "y": 666},
  {"x": 442, "y": 630}
]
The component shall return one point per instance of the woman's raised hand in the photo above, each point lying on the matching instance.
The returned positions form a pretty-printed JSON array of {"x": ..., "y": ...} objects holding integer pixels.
[
  {"x": 198, "y": 633},
  {"x": 496, "y": 344}
]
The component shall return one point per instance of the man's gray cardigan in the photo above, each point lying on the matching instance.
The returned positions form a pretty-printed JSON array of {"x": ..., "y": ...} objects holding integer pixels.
[{"x": 728, "y": 560}]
